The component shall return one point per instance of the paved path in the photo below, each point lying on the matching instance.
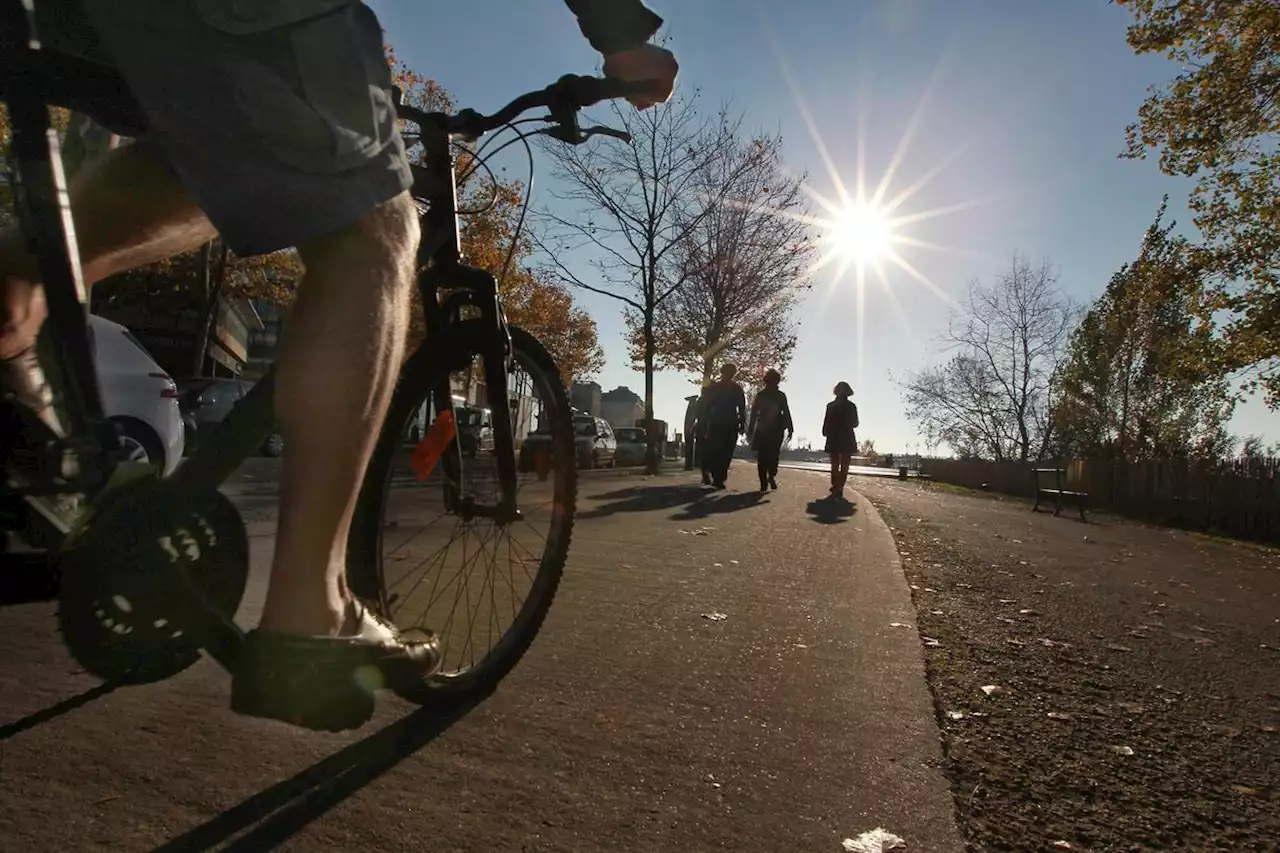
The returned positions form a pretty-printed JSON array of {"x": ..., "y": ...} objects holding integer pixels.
[{"x": 635, "y": 723}]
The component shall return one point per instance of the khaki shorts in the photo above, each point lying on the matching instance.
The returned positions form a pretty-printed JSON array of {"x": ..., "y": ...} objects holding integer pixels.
[{"x": 277, "y": 114}]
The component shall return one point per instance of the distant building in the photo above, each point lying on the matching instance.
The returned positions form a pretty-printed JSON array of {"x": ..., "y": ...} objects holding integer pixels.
[
  {"x": 585, "y": 396},
  {"x": 622, "y": 407}
]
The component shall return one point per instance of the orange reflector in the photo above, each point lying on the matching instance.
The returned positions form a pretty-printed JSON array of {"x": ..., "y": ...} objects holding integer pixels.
[{"x": 433, "y": 444}]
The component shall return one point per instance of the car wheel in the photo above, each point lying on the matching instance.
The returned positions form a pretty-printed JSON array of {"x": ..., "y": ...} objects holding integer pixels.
[
  {"x": 273, "y": 446},
  {"x": 140, "y": 444}
]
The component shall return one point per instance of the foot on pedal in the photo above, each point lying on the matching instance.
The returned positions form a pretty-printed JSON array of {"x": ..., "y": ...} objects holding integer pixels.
[{"x": 327, "y": 683}]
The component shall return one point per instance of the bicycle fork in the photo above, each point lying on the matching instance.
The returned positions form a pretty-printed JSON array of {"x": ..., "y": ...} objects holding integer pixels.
[{"x": 477, "y": 289}]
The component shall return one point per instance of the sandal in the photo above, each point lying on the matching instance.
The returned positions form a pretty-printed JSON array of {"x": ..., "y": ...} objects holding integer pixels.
[{"x": 326, "y": 683}]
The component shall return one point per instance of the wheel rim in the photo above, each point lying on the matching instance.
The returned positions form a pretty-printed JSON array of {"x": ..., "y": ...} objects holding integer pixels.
[
  {"x": 473, "y": 583},
  {"x": 134, "y": 450}
]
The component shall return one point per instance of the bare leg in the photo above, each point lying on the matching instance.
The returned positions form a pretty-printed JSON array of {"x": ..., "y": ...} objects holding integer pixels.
[
  {"x": 129, "y": 210},
  {"x": 335, "y": 376}
]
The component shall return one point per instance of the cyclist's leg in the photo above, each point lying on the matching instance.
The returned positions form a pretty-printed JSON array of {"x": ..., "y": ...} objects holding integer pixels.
[
  {"x": 280, "y": 120},
  {"x": 335, "y": 376},
  {"x": 129, "y": 209}
]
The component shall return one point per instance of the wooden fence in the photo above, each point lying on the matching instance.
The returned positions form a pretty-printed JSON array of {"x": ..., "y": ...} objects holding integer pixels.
[{"x": 1239, "y": 498}]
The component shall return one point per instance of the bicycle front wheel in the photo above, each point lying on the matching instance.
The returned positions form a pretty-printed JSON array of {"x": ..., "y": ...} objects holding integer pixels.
[{"x": 421, "y": 555}]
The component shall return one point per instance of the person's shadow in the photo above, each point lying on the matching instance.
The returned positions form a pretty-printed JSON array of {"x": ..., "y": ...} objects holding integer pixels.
[
  {"x": 831, "y": 509},
  {"x": 715, "y": 503}
]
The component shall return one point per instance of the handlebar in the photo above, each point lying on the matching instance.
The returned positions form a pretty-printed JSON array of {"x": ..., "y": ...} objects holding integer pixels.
[{"x": 564, "y": 98}]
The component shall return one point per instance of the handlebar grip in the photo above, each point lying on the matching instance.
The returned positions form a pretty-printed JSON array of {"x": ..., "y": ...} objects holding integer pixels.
[{"x": 587, "y": 91}]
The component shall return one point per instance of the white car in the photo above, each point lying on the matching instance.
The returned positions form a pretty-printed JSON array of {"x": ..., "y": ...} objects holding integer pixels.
[{"x": 140, "y": 397}]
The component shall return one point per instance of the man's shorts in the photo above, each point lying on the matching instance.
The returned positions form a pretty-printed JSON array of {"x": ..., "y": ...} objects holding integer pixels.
[{"x": 276, "y": 114}]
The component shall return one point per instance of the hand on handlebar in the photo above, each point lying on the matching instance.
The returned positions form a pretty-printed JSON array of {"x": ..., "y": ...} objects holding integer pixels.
[{"x": 647, "y": 62}]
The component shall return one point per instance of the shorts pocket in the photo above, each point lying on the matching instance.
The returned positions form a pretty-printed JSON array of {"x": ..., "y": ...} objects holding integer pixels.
[{"x": 310, "y": 78}]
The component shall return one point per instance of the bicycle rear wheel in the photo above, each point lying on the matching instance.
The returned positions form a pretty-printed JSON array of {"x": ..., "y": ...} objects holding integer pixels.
[{"x": 482, "y": 586}]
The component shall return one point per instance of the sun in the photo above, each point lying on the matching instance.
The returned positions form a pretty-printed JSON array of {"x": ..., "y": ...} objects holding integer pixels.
[{"x": 862, "y": 232}]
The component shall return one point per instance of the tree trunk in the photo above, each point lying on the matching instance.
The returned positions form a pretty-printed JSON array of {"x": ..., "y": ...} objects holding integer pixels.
[
  {"x": 210, "y": 288},
  {"x": 652, "y": 456}
]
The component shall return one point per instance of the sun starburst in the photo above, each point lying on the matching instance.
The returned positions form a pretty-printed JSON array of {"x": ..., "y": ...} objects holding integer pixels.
[{"x": 867, "y": 230}]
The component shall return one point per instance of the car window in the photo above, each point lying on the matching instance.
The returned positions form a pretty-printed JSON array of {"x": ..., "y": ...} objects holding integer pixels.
[
  {"x": 630, "y": 434},
  {"x": 228, "y": 389},
  {"x": 604, "y": 429},
  {"x": 584, "y": 426},
  {"x": 137, "y": 343}
]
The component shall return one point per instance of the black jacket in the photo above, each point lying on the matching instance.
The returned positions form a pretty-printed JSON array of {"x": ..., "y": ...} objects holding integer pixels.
[
  {"x": 770, "y": 414},
  {"x": 613, "y": 25}
]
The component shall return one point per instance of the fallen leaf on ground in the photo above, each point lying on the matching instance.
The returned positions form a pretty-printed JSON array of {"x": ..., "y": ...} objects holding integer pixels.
[
  {"x": 899, "y": 625},
  {"x": 876, "y": 841},
  {"x": 1059, "y": 715},
  {"x": 1027, "y": 611},
  {"x": 1118, "y": 648},
  {"x": 993, "y": 690},
  {"x": 1064, "y": 845},
  {"x": 715, "y": 617},
  {"x": 957, "y": 715},
  {"x": 931, "y": 642},
  {"x": 734, "y": 563},
  {"x": 1244, "y": 789},
  {"x": 1122, "y": 750}
]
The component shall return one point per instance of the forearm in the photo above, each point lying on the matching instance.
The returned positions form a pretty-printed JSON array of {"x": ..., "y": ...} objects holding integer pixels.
[{"x": 614, "y": 25}]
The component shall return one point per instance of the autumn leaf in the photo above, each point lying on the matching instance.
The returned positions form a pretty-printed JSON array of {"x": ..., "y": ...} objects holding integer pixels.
[{"x": 1215, "y": 122}]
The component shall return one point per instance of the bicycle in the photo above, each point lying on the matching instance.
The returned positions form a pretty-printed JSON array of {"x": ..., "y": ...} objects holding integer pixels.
[{"x": 153, "y": 571}]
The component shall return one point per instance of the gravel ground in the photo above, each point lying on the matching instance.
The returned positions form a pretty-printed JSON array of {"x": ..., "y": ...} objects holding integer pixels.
[{"x": 1107, "y": 686}]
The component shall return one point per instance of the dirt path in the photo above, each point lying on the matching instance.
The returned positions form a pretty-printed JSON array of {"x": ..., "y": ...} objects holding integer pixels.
[{"x": 1137, "y": 675}]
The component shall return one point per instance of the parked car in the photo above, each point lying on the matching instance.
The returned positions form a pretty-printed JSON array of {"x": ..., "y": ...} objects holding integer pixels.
[
  {"x": 632, "y": 443},
  {"x": 138, "y": 396},
  {"x": 475, "y": 427},
  {"x": 595, "y": 443},
  {"x": 207, "y": 400}
]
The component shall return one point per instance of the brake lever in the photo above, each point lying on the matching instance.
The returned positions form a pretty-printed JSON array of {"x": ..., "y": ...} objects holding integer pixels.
[
  {"x": 576, "y": 136},
  {"x": 601, "y": 130}
]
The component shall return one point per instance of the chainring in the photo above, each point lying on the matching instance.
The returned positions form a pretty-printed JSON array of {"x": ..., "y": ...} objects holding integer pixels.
[{"x": 118, "y": 573}]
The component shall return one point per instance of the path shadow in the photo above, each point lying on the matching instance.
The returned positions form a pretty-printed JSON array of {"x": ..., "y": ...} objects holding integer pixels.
[
  {"x": 713, "y": 503},
  {"x": 44, "y": 715},
  {"x": 831, "y": 509},
  {"x": 26, "y": 578},
  {"x": 645, "y": 499},
  {"x": 288, "y": 806}
]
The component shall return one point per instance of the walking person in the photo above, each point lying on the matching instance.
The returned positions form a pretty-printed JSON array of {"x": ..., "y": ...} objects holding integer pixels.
[
  {"x": 838, "y": 426},
  {"x": 723, "y": 417},
  {"x": 770, "y": 418},
  {"x": 690, "y": 424}
]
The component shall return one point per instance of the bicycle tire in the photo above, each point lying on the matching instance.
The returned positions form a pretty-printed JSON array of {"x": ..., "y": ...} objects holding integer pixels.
[{"x": 365, "y": 558}]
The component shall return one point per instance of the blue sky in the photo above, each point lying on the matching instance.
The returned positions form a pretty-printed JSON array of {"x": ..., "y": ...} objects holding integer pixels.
[{"x": 1022, "y": 102}]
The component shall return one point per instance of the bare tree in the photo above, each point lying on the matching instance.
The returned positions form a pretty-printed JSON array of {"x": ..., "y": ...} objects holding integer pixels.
[
  {"x": 742, "y": 267},
  {"x": 628, "y": 207},
  {"x": 994, "y": 398}
]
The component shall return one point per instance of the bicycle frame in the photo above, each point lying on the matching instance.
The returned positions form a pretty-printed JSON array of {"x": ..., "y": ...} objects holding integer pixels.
[{"x": 31, "y": 79}]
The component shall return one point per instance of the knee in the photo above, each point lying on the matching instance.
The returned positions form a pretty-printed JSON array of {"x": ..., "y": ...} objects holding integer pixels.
[
  {"x": 22, "y": 312},
  {"x": 385, "y": 240}
]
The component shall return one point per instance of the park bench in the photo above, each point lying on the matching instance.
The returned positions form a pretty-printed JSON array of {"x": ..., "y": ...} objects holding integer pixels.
[{"x": 1058, "y": 492}]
